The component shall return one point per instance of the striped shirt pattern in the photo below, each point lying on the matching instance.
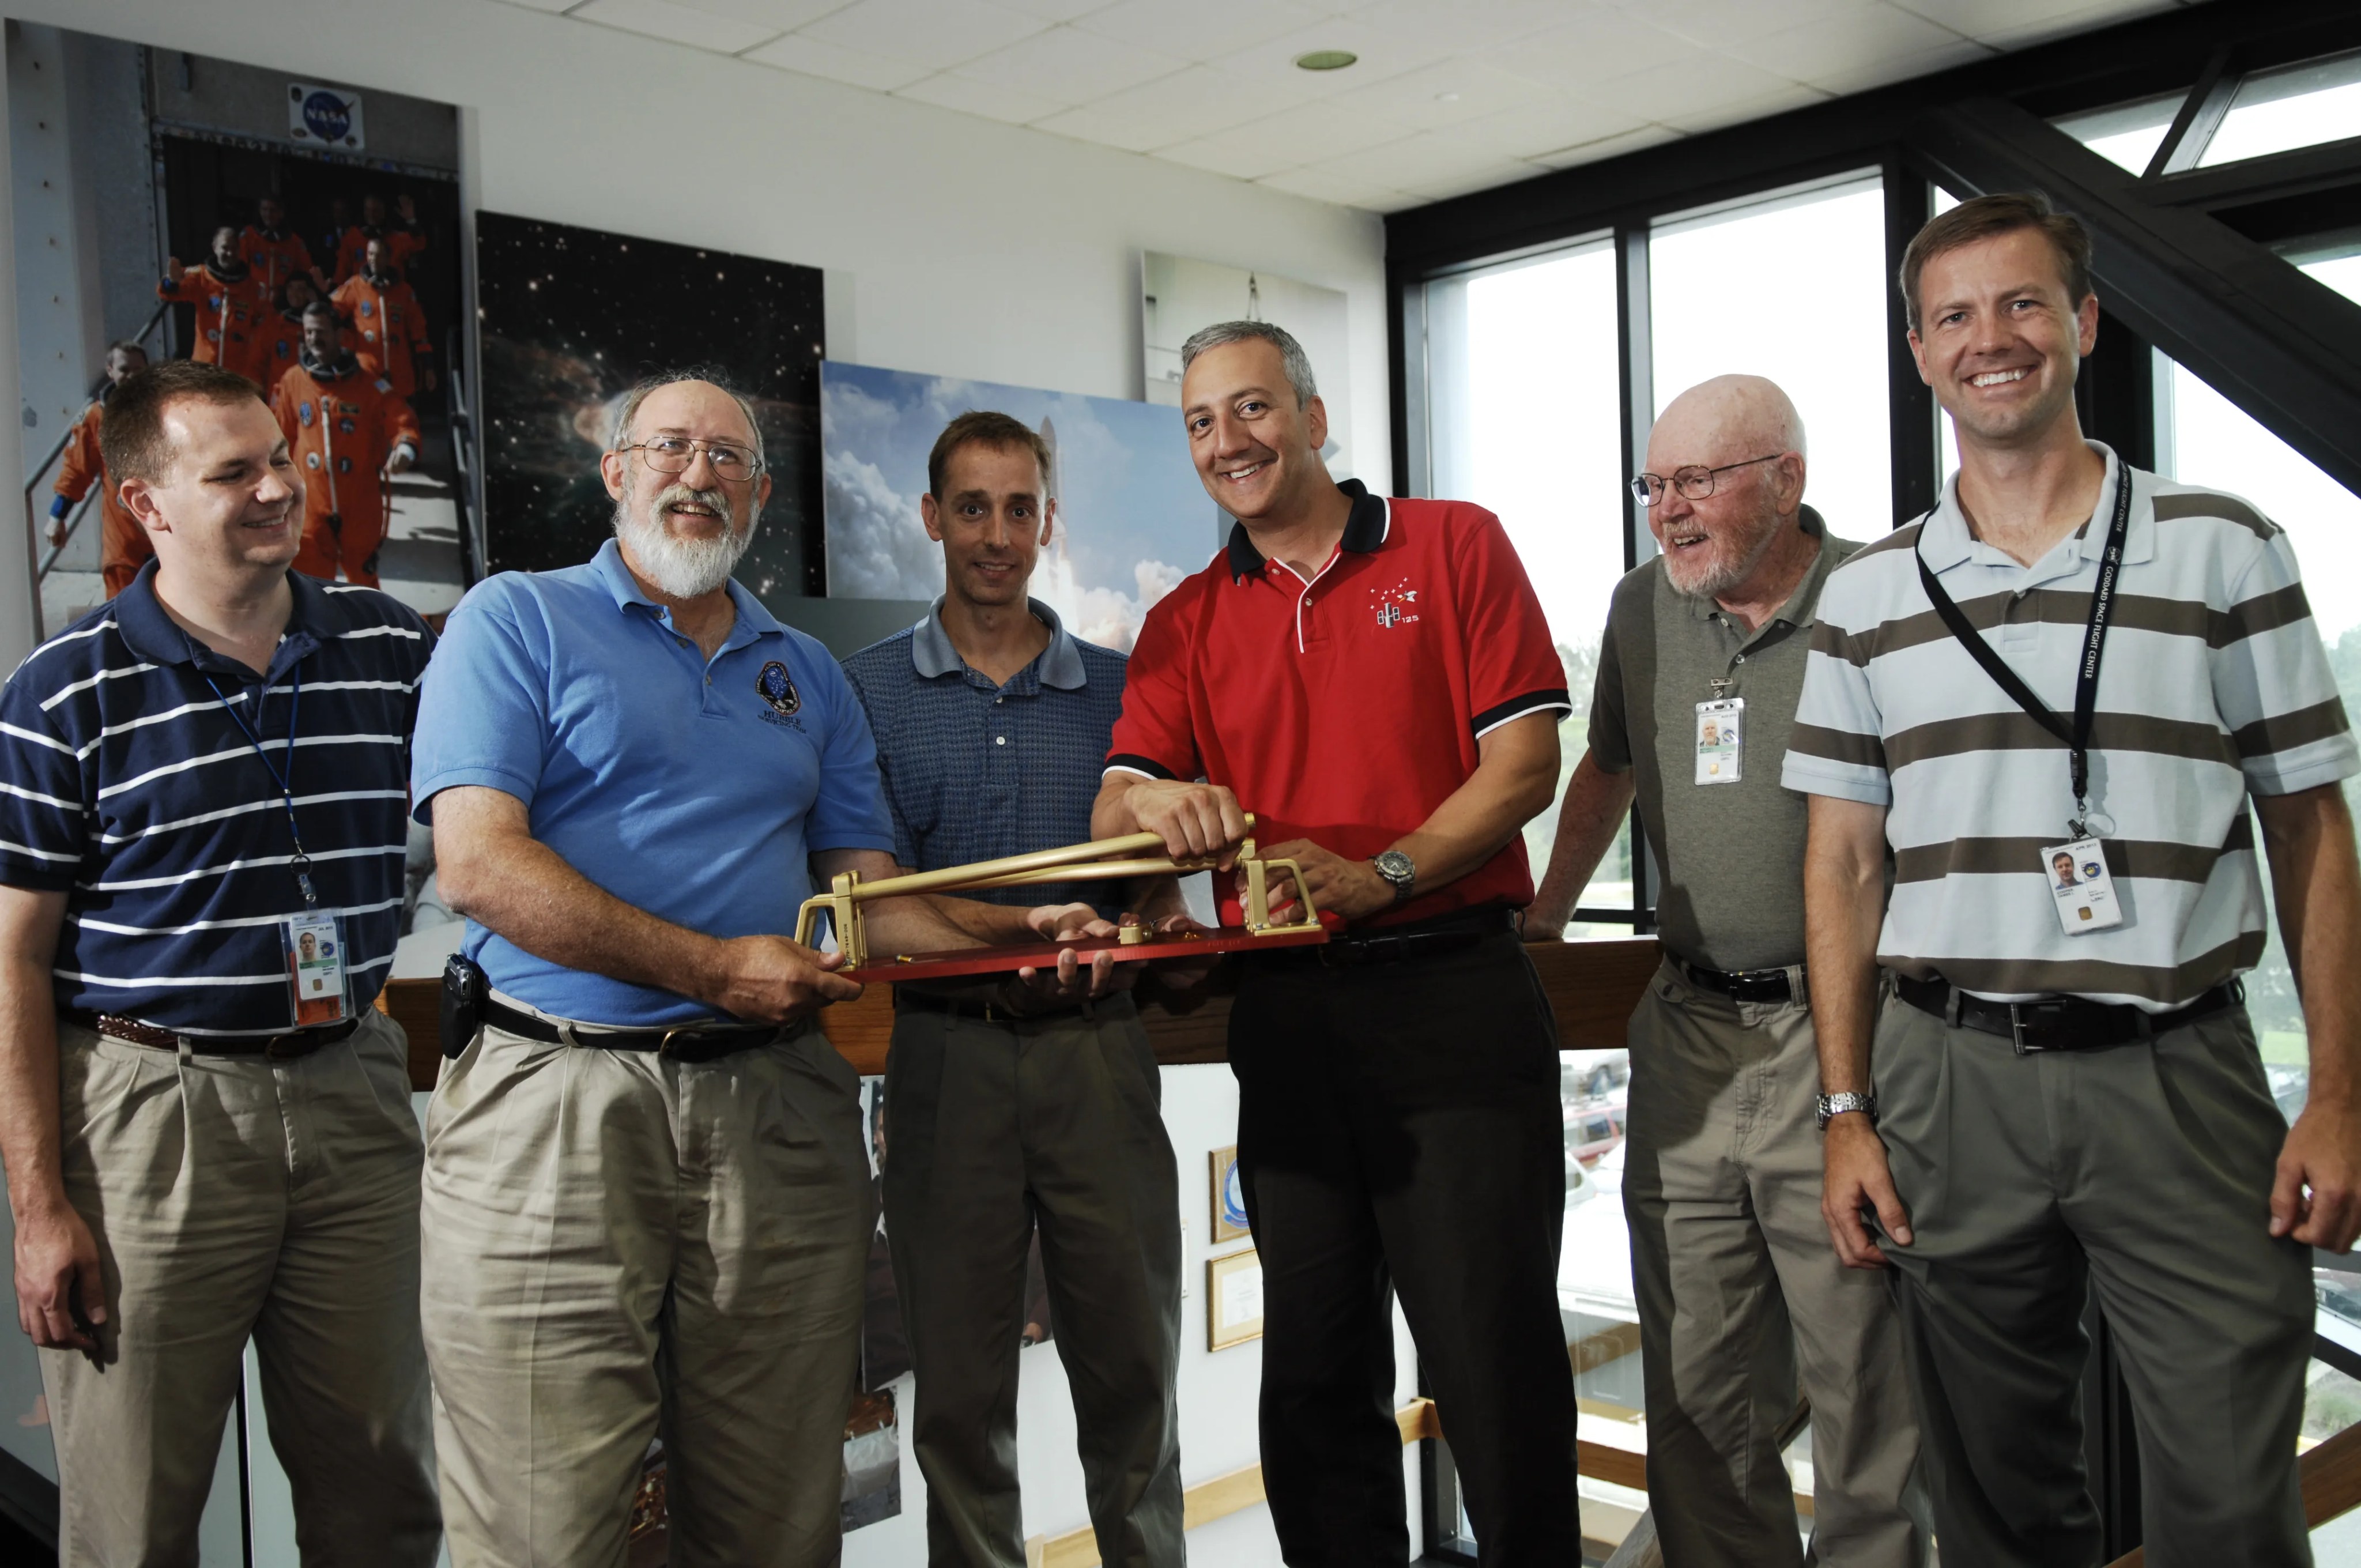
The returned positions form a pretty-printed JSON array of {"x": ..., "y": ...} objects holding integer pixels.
[
  {"x": 126, "y": 782},
  {"x": 2214, "y": 685}
]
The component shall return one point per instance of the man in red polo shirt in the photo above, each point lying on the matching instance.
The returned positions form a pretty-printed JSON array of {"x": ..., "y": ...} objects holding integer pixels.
[{"x": 1375, "y": 680}]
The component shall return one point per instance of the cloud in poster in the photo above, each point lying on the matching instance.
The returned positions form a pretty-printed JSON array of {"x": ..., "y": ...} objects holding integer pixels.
[{"x": 1129, "y": 504}]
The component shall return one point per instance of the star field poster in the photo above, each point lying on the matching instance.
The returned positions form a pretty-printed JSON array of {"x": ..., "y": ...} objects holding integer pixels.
[{"x": 571, "y": 318}]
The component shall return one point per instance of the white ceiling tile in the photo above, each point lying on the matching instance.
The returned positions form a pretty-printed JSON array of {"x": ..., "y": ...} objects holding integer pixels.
[
  {"x": 936, "y": 33},
  {"x": 1721, "y": 24},
  {"x": 1836, "y": 46},
  {"x": 1695, "y": 82},
  {"x": 678, "y": 24},
  {"x": 1551, "y": 125},
  {"x": 1447, "y": 93},
  {"x": 1306, "y": 134},
  {"x": 550, "y": 6},
  {"x": 1482, "y": 177},
  {"x": 1427, "y": 159},
  {"x": 1593, "y": 45},
  {"x": 1202, "y": 31},
  {"x": 1993, "y": 20},
  {"x": 1184, "y": 106},
  {"x": 1323, "y": 186},
  {"x": 1608, "y": 146},
  {"x": 1446, "y": 26},
  {"x": 1056, "y": 10},
  {"x": 1240, "y": 160},
  {"x": 1071, "y": 67},
  {"x": 1123, "y": 132},
  {"x": 1885, "y": 72},
  {"x": 992, "y": 100},
  {"x": 1716, "y": 113},
  {"x": 778, "y": 16},
  {"x": 797, "y": 51}
]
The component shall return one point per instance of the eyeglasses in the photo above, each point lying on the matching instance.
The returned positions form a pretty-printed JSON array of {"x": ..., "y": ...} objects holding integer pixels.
[
  {"x": 674, "y": 453},
  {"x": 1695, "y": 482}
]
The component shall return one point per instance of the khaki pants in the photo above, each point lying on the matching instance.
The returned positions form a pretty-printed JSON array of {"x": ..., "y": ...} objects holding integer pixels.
[
  {"x": 990, "y": 1127},
  {"x": 1742, "y": 1299},
  {"x": 235, "y": 1197},
  {"x": 2143, "y": 1172},
  {"x": 618, "y": 1243}
]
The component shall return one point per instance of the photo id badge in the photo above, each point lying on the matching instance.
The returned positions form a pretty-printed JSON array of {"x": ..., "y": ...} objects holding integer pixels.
[
  {"x": 2081, "y": 885},
  {"x": 1721, "y": 752},
  {"x": 316, "y": 961}
]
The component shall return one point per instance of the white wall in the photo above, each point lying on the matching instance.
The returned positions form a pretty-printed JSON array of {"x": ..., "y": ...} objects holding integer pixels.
[{"x": 953, "y": 245}]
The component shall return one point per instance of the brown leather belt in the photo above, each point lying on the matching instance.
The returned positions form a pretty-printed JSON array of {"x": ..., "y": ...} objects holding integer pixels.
[{"x": 283, "y": 1046}]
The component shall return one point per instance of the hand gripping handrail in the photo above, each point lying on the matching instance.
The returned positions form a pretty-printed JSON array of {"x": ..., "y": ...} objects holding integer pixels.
[{"x": 1099, "y": 861}]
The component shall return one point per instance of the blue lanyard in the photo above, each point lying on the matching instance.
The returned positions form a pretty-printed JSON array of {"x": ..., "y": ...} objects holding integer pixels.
[{"x": 302, "y": 864}]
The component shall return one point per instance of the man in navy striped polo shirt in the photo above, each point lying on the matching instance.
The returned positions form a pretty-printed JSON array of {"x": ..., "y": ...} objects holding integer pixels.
[{"x": 206, "y": 1126}]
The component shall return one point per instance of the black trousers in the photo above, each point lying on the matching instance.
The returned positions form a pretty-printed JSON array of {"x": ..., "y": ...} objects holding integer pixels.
[{"x": 1400, "y": 1130}]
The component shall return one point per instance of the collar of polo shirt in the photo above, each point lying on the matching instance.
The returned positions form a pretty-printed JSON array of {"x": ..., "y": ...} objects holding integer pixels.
[
  {"x": 1945, "y": 542},
  {"x": 146, "y": 631},
  {"x": 1365, "y": 527},
  {"x": 1803, "y": 606},
  {"x": 752, "y": 620},
  {"x": 931, "y": 653}
]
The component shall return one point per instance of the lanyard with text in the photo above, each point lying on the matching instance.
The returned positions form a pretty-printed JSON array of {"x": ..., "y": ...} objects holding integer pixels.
[
  {"x": 2080, "y": 883},
  {"x": 301, "y": 863}
]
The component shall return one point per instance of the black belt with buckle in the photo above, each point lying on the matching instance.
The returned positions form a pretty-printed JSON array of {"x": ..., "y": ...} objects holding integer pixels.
[
  {"x": 1397, "y": 944},
  {"x": 2067, "y": 1024},
  {"x": 1740, "y": 984},
  {"x": 284, "y": 1045},
  {"x": 682, "y": 1042}
]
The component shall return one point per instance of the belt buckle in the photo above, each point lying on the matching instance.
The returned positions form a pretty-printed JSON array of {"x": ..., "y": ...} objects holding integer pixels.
[
  {"x": 664, "y": 1047},
  {"x": 271, "y": 1047}
]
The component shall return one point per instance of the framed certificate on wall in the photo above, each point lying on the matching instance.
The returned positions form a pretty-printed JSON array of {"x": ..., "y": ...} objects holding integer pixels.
[{"x": 1233, "y": 1299}]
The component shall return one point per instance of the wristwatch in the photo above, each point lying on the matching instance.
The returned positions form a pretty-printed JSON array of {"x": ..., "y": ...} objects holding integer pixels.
[
  {"x": 1837, "y": 1105},
  {"x": 1398, "y": 870}
]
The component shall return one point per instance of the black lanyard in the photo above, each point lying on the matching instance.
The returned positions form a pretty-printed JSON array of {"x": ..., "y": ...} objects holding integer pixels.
[
  {"x": 2094, "y": 639},
  {"x": 302, "y": 864}
]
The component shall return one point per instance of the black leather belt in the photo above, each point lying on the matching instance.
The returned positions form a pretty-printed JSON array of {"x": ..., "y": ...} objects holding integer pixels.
[
  {"x": 682, "y": 1042},
  {"x": 1397, "y": 944},
  {"x": 1740, "y": 984},
  {"x": 2067, "y": 1024},
  {"x": 909, "y": 999},
  {"x": 285, "y": 1046}
]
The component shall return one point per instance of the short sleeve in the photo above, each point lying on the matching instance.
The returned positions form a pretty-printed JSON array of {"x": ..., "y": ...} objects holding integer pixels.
[
  {"x": 1610, "y": 727},
  {"x": 1514, "y": 668},
  {"x": 850, "y": 810},
  {"x": 1838, "y": 744},
  {"x": 483, "y": 710},
  {"x": 42, "y": 809},
  {"x": 1154, "y": 736},
  {"x": 2272, "y": 684}
]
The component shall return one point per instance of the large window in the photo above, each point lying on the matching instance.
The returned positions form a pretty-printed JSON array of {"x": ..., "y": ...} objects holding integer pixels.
[
  {"x": 1794, "y": 289},
  {"x": 1523, "y": 368}
]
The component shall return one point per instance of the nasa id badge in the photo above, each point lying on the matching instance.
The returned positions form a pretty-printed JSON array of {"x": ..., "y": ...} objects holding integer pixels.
[
  {"x": 1720, "y": 740},
  {"x": 314, "y": 950},
  {"x": 2082, "y": 886}
]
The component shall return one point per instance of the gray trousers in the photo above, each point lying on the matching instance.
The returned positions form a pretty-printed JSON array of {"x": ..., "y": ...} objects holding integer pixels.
[
  {"x": 990, "y": 1129},
  {"x": 237, "y": 1196},
  {"x": 1742, "y": 1301},
  {"x": 2143, "y": 1172},
  {"x": 619, "y": 1243}
]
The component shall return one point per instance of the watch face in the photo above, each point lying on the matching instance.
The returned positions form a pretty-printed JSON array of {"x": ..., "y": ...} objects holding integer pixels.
[{"x": 1394, "y": 866}]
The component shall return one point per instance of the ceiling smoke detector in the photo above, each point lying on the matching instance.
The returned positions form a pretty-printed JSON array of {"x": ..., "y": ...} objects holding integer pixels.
[{"x": 1325, "y": 60}]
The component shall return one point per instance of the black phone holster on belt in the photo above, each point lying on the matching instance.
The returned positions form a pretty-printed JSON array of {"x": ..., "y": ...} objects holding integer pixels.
[{"x": 464, "y": 990}]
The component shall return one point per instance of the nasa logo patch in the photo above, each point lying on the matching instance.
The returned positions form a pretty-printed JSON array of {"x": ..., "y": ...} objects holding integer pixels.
[
  {"x": 304, "y": 412},
  {"x": 368, "y": 309},
  {"x": 774, "y": 687}
]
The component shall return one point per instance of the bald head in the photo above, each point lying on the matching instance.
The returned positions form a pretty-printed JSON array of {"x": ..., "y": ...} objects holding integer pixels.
[{"x": 1720, "y": 416}]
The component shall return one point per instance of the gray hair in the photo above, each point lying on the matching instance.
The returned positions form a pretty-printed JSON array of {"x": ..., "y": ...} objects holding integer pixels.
[
  {"x": 630, "y": 409},
  {"x": 1292, "y": 358}
]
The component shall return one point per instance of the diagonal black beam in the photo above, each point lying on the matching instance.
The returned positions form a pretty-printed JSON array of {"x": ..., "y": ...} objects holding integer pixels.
[{"x": 2278, "y": 344}]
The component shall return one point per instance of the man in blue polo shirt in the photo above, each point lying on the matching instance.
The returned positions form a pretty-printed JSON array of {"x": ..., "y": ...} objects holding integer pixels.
[
  {"x": 993, "y": 725},
  {"x": 647, "y": 1203},
  {"x": 207, "y": 1127}
]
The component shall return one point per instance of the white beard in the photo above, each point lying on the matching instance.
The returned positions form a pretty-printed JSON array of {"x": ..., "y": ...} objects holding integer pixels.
[
  {"x": 1733, "y": 561},
  {"x": 683, "y": 568}
]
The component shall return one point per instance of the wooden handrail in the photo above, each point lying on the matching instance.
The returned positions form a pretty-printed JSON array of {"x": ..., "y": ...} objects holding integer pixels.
[{"x": 1592, "y": 988}]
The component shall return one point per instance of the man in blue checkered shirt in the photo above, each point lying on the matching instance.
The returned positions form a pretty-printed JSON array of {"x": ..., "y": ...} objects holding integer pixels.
[{"x": 993, "y": 725}]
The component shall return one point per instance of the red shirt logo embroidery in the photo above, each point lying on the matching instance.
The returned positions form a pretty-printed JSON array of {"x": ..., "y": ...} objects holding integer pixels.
[{"x": 1395, "y": 605}]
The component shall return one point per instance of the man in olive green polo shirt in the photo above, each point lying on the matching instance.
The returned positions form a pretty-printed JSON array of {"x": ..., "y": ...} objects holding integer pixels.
[{"x": 1741, "y": 1301}]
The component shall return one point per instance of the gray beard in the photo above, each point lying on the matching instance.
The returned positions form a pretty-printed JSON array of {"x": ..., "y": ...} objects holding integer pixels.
[
  {"x": 1733, "y": 569},
  {"x": 683, "y": 568}
]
